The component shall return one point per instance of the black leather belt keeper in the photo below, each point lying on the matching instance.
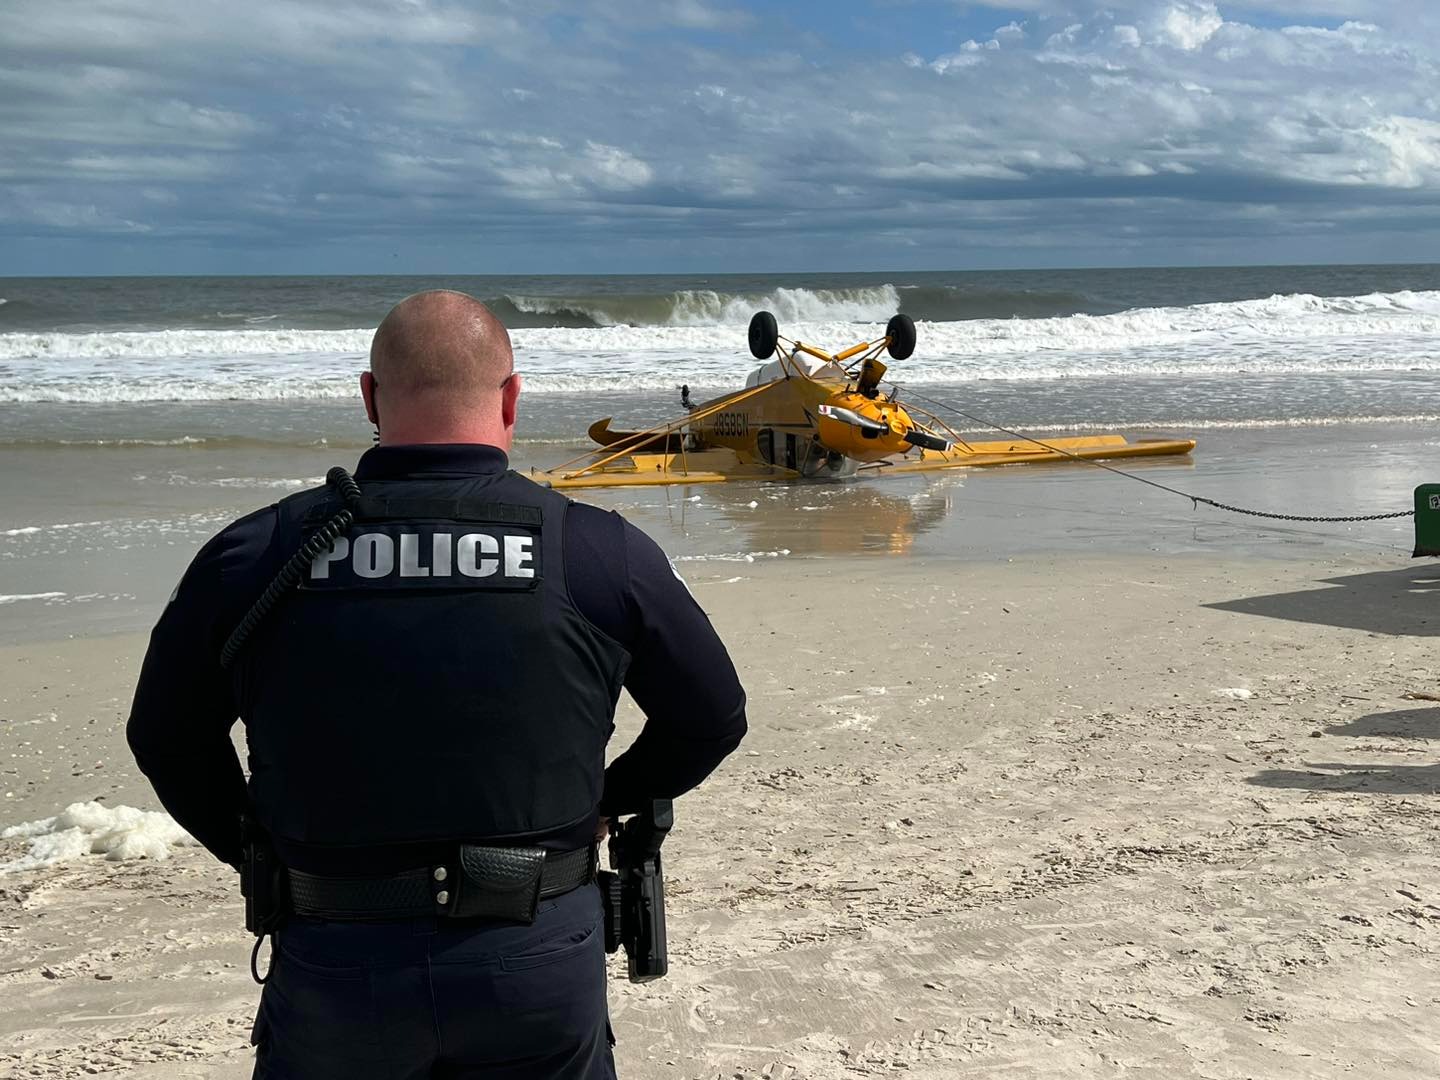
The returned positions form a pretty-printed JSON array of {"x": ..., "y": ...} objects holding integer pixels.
[{"x": 480, "y": 882}]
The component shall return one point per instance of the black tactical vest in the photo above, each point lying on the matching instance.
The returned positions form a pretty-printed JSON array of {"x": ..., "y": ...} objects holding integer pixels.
[{"x": 430, "y": 680}]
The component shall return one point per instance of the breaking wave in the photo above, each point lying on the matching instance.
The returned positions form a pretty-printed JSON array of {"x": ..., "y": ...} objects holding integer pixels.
[
  {"x": 705, "y": 307},
  {"x": 150, "y": 344},
  {"x": 202, "y": 329},
  {"x": 1297, "y": 333},
  {"x": 700, "y": 307}
]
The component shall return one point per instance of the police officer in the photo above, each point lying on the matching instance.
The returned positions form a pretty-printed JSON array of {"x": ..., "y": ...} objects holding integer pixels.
[{"x": 426, "y": 712}]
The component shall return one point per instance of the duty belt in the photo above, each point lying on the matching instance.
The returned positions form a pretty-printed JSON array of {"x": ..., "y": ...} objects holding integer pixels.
[{"x": 505, "y": 883}]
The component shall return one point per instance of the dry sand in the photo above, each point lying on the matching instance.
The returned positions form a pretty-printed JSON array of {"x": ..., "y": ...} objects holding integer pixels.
[{"x": 1142, "y": 816}]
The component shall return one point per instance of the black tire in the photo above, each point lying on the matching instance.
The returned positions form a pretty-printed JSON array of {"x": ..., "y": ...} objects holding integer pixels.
[
  {"x": 926, "y": 441},
  {"x": 901, "y": 332},
  {"x": 764, "y": 335}
]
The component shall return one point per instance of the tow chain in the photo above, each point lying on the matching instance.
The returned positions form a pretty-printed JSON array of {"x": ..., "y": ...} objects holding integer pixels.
[
  {"x": 1291, "y": 517},
  {"x": 1195, "y": 500}
]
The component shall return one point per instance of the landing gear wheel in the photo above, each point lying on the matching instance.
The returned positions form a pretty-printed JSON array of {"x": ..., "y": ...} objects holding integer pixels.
[
  {"x": 765, "y": 335},
  {"x": 900, "y": 330},
  {"x": 926, "y": 441}
]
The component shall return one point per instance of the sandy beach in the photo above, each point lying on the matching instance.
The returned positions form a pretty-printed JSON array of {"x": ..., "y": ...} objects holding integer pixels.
[
  {"x": 1152, "y": 816},
  {"x": 1058, "y": 767},
  {"x": 1050, "y": 772}
]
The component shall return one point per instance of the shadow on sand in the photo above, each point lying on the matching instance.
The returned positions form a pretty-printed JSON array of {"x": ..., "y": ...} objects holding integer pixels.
[
  {"x": 1368, "y": 777},
  {"x": 1401, "y": 602},
  {"x": 1401, "y": 724}
]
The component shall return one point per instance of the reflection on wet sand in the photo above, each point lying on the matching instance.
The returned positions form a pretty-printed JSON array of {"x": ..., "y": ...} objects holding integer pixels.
[
  {"x": 1065, "y": 509},
  {"x": 815, "y": 519}
]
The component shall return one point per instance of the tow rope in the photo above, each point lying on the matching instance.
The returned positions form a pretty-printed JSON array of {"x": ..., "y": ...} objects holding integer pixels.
[{"x": 1195, "y": 500}]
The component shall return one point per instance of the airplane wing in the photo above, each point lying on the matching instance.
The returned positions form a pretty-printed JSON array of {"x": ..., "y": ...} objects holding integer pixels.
[
  {"x": 716, "y": 465},
  {"x": 975, "y": 455},
  {"x": 651, "y": 469},
  {"x": 659, "y": 455}
]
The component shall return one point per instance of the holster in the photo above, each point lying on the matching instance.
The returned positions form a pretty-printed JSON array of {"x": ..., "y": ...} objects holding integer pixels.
[
  {"x": 634, "y": 892},
  {"x": 612, "y": 902},
  {"x": 263, "y": 881}
]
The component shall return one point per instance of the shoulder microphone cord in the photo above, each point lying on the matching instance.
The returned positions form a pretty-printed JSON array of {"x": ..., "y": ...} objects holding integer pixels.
[
  {"x": 289, "y": 576},
  {"x": 1195, "y": 500},
  {"x": 294, "y": 569}
]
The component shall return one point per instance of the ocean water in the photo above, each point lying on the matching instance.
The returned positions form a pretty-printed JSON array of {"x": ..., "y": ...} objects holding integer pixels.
[
  {"x": 156, "y": 340},
  {"x": 137, "y": 415}
]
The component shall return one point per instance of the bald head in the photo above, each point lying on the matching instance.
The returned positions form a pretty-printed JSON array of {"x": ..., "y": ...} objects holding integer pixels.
[
  {"x": 440, "y": 365},
  {"x": 443, "y": 344}
]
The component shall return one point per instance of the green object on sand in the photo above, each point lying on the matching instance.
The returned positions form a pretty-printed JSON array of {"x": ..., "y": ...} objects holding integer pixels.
[{"x": 1427, "y": 520}]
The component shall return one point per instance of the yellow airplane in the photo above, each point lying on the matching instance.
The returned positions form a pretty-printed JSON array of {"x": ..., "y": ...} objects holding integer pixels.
[{"x": 809, "y": 414}]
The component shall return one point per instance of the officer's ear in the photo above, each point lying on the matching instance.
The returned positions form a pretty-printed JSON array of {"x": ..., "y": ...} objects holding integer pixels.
[
  {"x": 367, "y": 391},
  {"x": 509, "y": 399}
]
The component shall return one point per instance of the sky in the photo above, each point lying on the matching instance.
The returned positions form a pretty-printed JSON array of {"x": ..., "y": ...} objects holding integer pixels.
[{"x": 685, "y": 136}]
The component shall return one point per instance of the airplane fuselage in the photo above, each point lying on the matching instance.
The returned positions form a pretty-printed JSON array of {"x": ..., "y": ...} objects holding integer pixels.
[{"x": 786, "y": 426}]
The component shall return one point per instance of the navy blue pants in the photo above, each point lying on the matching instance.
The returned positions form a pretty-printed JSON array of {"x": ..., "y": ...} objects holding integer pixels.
[{"x": 431, "y": 999}]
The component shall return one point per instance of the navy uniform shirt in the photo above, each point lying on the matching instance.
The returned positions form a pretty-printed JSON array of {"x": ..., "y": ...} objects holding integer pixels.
[{"x": 679, "y": 675}]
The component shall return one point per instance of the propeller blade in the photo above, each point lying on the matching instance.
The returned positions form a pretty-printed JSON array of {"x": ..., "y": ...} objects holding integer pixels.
[
  {"x": 926, "y": 441},
  {"x": 854, "y": 419}
]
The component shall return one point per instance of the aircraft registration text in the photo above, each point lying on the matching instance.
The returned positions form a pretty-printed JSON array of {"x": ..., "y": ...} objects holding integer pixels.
[{"x": 732, "y": 425}]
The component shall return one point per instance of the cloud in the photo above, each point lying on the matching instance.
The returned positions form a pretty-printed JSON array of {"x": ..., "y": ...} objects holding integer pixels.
[
  {"x": 1411, "y": 151},
  {"x": 700, "y": 16},
  {"x": 1190, "y": 25},
  {"x": 613, "y": 168},
  {"x": 548, "y": 132}
]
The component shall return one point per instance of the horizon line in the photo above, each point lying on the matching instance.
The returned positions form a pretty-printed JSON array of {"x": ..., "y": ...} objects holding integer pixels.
[{"x": 738, "y": 273}]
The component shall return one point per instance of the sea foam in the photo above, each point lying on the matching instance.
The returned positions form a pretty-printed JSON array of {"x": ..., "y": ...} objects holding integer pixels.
[
  {"x": 88, "y": 828},
  {"x": 1277, "y": 335}
]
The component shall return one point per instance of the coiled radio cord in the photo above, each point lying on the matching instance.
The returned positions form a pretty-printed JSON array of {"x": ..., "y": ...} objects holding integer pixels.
[{"x": 294, "y": 569}]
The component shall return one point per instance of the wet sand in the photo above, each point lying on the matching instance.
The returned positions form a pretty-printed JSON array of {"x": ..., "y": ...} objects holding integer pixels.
[
  {"x": 1155, "y": 814},
  {"x": 93, "y": 538}
]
